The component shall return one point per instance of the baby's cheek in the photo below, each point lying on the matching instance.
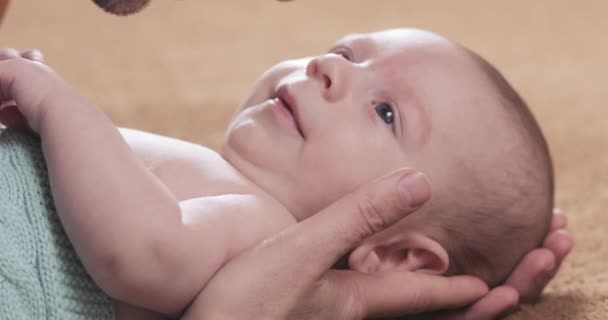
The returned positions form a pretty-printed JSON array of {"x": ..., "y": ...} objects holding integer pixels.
[{"x": 285, "y": 68}]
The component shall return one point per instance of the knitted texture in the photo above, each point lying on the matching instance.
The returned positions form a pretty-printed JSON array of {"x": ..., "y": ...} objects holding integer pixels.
[{"x": 41, "y": 276}]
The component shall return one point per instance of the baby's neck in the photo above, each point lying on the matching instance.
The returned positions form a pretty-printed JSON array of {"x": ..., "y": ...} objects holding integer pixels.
[{"x": 271, "y": 187}]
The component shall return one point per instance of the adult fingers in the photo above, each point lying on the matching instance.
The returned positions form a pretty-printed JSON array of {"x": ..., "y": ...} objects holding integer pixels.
[
  {"x": 332, "y": 232},
  {"x": 496, "y": 303},
  {"x": 532, "y": 274},
  {"x": 560, "y": 243},
  {"x": 559, "y": 220},
  {"x": 558, "y": 240},
  {"x": 404, "y": 292},
  {"x": 540, "y": 266}
]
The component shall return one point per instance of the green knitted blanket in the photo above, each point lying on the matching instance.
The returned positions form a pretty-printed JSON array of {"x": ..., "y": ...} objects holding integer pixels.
[{"x": 40, "y": 275}]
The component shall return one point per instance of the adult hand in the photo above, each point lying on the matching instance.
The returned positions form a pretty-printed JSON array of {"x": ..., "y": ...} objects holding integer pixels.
[
  {"x": 528, "y": 279},
  {"x": 289, "y": 276}
]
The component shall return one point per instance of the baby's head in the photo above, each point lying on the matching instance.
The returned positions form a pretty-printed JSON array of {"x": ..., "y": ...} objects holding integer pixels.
[{"x": 316, "y": 128}]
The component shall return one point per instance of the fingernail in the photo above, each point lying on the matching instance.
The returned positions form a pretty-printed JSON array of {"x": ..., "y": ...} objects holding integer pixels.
[{"x": 414, "y": 189}]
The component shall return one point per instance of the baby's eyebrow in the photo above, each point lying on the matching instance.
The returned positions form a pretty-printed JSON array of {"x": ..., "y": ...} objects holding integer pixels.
[
  {"x": 334, "y": 47},
  {"x": 350, "y": 41},
  {"x": 339, "y": 44}
]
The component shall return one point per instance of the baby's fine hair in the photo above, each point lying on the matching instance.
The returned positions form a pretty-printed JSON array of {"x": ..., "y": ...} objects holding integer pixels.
[{"x": 507, "y": 212}]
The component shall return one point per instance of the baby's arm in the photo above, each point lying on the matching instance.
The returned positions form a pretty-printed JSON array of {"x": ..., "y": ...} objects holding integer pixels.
[
  {"x": 182, "y": 258},
  {"x": 138, "y": 243}
]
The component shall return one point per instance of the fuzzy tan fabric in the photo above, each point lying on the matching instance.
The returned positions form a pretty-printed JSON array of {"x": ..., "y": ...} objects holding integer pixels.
[{"x": 181, "y": 66}]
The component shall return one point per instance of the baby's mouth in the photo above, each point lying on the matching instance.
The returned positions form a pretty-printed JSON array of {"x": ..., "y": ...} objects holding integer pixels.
[{"x": 288, "y": 102}]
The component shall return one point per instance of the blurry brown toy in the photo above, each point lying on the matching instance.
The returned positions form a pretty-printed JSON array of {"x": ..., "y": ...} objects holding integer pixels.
[
  {"x": 3, "y": 6},
  {"x": 119, "y": 7},
  {"x": 123, "y": 7}
]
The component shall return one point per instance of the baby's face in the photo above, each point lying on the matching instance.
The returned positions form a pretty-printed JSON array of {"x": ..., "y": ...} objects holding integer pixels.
[{"x": 315, "y": 128}]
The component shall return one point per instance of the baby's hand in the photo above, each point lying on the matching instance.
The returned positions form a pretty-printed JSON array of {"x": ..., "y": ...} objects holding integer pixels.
[
  {"x": 10, "y": 53},
  {"x": 26, "y": 85},
  {"x": 9, "y": 113}
]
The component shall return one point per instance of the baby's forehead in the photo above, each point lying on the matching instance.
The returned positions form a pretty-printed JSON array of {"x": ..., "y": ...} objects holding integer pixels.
[
  {"x": 403, "y": 37},
  {"x": 402, "y": 49}
]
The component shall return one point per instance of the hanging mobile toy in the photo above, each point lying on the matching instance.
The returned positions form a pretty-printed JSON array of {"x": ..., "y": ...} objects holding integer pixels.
[
  {"x": 120, "y": 7},
  {"x": 3, "y": 5}
]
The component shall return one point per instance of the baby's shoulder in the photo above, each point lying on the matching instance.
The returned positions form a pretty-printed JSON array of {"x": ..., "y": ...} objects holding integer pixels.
[
  {"x": 154, "y": 149},
  {"x": 193, "y": 171},
  {"x": 189, "y": 170}
]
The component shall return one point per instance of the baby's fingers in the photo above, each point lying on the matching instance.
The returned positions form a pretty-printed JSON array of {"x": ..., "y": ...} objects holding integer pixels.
[
  {"x": 33, "y": 54},
  {"x": 11, "y": 53},
  {"x": 11, "y": 117}
]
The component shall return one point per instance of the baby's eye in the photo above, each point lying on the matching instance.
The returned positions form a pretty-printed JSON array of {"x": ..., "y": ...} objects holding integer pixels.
[
  {"x": 343, "y": 52},
  {"x": 344, "y": 55},
  {"x": 385, "y": 112}
]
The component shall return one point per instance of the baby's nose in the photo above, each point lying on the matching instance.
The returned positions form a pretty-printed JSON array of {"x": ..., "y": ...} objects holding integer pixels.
[{"x": 330, "y": 69}]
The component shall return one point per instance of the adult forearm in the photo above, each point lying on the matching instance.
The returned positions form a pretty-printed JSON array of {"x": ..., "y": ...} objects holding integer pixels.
[{"x": 110, "y": 205}]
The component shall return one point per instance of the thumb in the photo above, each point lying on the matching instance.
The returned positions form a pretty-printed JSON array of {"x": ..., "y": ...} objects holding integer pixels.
[{"x": 335, "y": 230}]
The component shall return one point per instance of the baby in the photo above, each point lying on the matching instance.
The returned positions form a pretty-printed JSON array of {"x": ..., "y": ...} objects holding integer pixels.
[{"x": 154, "y": 218}]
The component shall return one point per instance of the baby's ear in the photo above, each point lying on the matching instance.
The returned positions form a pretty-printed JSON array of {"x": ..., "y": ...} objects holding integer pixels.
[{"x": 409, "y": 251}]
